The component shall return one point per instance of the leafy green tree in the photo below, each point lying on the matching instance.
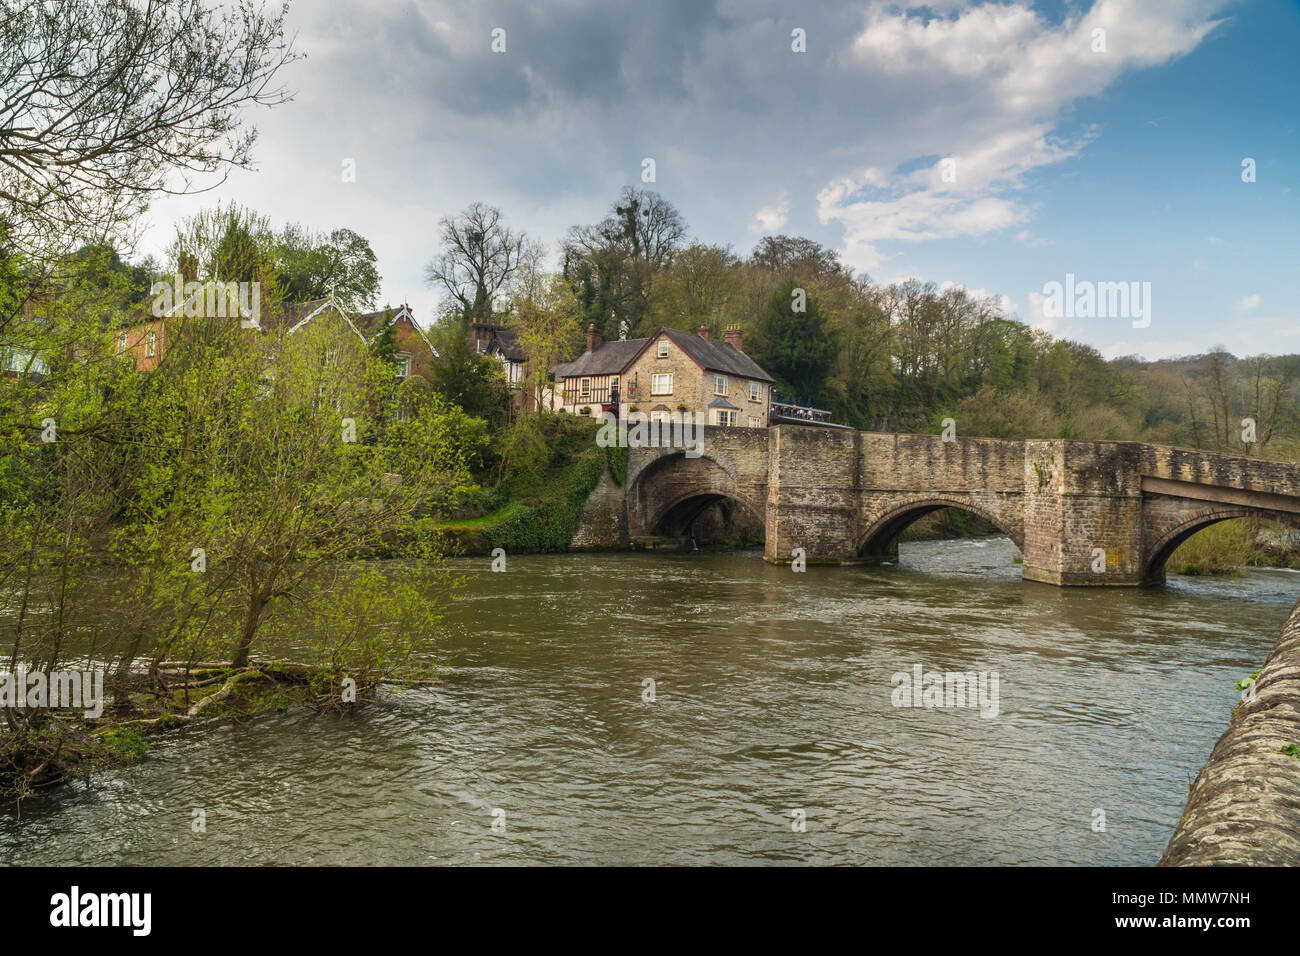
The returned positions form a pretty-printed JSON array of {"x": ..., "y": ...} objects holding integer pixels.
[
  {"x": 313, "y": 266},
  {"x": 795, "y": 346},
  {"x": 699, "y": 285},
  {"x": 228, "y": 243},
  {"x": 545, "y": 320},
  {"x": 475, "y": 382}
]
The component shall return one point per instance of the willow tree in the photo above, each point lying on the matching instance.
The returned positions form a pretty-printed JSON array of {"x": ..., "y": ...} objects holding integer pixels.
[{"x": 304, "y": 473}]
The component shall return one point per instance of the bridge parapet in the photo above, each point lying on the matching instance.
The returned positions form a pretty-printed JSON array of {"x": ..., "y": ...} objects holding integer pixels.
[{"x": 1081, "y": 512}]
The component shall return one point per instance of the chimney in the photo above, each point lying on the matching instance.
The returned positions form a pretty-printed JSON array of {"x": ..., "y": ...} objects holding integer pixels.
[
  {"x": 733, "y": 337},
  {"x": 480, "y": 333},
  {"x": 593, "y": 338},
  {"x": 704, "y": 332}
]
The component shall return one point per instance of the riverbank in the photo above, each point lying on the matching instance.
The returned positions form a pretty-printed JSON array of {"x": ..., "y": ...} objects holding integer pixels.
[
  {"x": 57, "y": 747},
  {"x": 1244, "y": 807}
]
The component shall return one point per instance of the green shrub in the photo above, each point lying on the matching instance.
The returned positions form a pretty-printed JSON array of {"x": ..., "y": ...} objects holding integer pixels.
[
  {"x": 547, "y": 522},
  {"x": 617, "y": 459},
  {"x": 128, "y": 744}
]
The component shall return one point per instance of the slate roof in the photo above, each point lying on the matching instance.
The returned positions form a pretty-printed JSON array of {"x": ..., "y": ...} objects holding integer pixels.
[
  {"x": 366, "y": 324},
  {"x": 612, "y": 358},
  {"x": 609, "y": 359},
  {"x": 505, "y": 342},
  {"x": 721, "y": 402},
  {"x": 717, "y": 356}
]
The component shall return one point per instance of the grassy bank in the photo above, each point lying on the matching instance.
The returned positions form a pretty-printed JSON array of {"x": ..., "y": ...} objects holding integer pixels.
[{"x": 547, "y": 468}]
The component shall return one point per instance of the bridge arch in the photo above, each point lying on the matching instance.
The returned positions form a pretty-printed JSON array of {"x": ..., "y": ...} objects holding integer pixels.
[
  {"x": 1153, "y": 564},
  {"x": 878, "y": 540},
  {"x": 670, "y": 493}
]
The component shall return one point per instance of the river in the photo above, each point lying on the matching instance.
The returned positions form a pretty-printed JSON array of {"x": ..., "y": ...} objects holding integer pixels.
[{"x": 772, "y": 695}]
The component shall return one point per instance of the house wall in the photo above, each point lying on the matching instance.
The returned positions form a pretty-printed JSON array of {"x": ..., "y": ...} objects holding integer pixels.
[
  {"x": 571, "y": 400},
  {"x": 410, "y": 341},
  {"x": 692, "y": 386},
  {"x": 137, "y": 343}
]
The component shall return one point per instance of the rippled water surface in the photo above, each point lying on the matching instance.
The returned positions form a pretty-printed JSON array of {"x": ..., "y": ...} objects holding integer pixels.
[{"x": 772, "y": 694}]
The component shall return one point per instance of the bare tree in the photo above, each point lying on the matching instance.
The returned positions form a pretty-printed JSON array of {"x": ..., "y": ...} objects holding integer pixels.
[
  {"x": 102, "y": 102},
  {"x": 613, "y": 264},
  {"x": 479, "y": 255}
]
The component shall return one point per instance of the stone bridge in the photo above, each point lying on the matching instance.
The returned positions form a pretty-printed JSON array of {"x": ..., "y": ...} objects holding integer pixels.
[{"x": 1081, "y": 512}]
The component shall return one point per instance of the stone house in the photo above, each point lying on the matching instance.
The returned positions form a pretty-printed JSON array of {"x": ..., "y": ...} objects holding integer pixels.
[{"x": 666, "y": 374}]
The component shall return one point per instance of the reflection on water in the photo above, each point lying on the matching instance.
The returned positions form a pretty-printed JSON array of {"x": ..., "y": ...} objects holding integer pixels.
[{"x": 772, "y": 694}]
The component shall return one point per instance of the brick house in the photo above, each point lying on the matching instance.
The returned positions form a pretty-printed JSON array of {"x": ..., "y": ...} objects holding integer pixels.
[
  {"x": 668, "y": 373},
  {"x": 145, "y": 341},
  {"x": 146, "y": 337}
]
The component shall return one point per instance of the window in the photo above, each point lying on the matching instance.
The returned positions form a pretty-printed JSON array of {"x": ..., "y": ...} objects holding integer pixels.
[
  {"x": 585, "y": 387},
  {"x": 754, "y": 422},
  {"x": 121, "y": 343},
  {"x": 719, "y": 385},
  {"x": 658, "y": 416},
  {"x": 724, "y": 416},
  {"x": 663, "y": 348},
  {"x": 753, "y": 391},
  {"x": 662, "y": 383},
  {"x": 403, "y": 366},
  {"x": 613, "y": 381},
  {"x": 331, "y": 357},
  {"x": 150, "y": 343}
]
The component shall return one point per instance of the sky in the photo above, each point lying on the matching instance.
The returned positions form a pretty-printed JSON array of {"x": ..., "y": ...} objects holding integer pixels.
[{"x": 997, "y": 146}]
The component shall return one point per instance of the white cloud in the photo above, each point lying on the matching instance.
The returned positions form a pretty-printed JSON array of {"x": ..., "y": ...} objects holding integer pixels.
[
  {"x": 998, "y": 77},
  {"x": 1039, "y": 316},
  {"x": 771, "y": 218},
  {"x": 1033, "y": 241},
  {"x": 552, "y": 130},
  {"x": 1248, "y": 303}
]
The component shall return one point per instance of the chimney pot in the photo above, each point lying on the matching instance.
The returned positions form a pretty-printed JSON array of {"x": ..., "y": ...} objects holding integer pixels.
[
  {"x": 733, "y": 336},
  {"x": 593, "y": 338},
  {"x": 704, "y": 332}
]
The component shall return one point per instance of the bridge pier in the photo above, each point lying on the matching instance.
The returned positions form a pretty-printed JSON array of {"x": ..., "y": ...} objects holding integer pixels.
[
  {"x": 1083, "y": 513},
  {"x": 813, "y": 477}
]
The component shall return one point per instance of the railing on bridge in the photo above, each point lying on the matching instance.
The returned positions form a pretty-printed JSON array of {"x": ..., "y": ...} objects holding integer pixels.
[{"x": 805, "y": 412}]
